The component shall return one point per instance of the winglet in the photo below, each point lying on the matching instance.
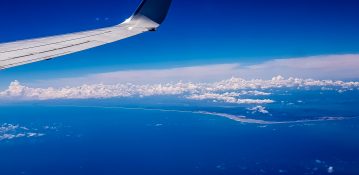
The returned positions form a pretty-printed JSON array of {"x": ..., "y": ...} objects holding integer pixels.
[{"x": 155, "y": 10}]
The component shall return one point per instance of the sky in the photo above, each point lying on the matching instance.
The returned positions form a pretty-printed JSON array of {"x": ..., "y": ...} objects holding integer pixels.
[
  {"x": 263, "y": 62},
  {"x": 214, "y": 39}
]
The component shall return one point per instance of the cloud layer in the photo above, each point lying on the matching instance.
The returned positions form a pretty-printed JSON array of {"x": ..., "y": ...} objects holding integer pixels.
[
  {"x": 319, "y": 67},
  {"x": 233, "y": 90},
  {"x": 334, "y": 67}
]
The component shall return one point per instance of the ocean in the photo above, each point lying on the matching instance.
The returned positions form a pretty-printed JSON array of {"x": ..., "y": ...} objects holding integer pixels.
[{"x": 48, "y": 138}]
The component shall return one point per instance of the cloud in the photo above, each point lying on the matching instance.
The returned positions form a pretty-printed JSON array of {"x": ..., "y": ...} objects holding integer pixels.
[
  {"x": 9, "y": 132},
  {"x": 204, "y": 73},
  {"x": 228, "y": 98},
  {"x": 233, "y": 90},
  {"x": 330, "y": 170},
  {"x": 338, "y": 67},
  {"x": 260, "y": 109},
  {"x": 319, "y": 67}
]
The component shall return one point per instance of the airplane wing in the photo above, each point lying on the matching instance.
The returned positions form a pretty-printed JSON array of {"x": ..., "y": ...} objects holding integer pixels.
[{"x": 148, "y": 17}]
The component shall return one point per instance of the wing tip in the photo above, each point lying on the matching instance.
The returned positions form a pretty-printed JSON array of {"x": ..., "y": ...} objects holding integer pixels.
[{"x": 155, "y": 10}]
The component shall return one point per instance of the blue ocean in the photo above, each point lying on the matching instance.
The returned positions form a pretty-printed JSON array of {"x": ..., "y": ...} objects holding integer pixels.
[{"x": 308, "y": 133}]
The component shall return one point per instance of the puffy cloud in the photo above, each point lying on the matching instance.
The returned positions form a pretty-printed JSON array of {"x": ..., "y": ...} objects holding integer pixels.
[
  {"x": 95, "y": 91},
  {"x": 260, "y": 109},
  {"x": 330, "y": 170},
  {"x": 228, "y": 98},
  {"x": 9, "y": 132},
  {"x": 229, "y": 91}
]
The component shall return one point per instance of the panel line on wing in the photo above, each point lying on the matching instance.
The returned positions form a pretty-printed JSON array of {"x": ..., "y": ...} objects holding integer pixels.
[
  {"x": 56, "y": 42},
  {"x": 34, "y": 60},
  {"x": 46, "y": 51}
]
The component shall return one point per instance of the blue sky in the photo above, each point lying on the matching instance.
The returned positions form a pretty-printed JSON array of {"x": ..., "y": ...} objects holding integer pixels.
[{"x": 195, "y": 33}]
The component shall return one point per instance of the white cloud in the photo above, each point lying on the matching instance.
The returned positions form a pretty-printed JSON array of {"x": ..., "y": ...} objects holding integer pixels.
[
  {"x": 330, "y": 170},
  {"x": 10, "y": 131},
  {"x": 260, "y": 109},
  {"x": 338, "y": 67},
  {"x": 204, "y": 73},
  {"x": 229, "y": 90},
  {"x": 228, "y": 98}
]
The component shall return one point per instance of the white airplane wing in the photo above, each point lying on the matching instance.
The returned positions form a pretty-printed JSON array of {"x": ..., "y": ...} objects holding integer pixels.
[{"x": 148, "y": 17}]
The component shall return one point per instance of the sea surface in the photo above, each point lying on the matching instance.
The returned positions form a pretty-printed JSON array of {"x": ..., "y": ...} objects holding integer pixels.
[{"x": 306, "y": 134}]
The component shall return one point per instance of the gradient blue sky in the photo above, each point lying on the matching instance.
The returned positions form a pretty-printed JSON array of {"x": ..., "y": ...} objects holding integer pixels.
[{"x": 195, "y": 33}]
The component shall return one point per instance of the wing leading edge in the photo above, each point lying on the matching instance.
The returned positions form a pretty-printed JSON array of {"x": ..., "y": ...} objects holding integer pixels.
[{"x": 148, "y": 17}]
